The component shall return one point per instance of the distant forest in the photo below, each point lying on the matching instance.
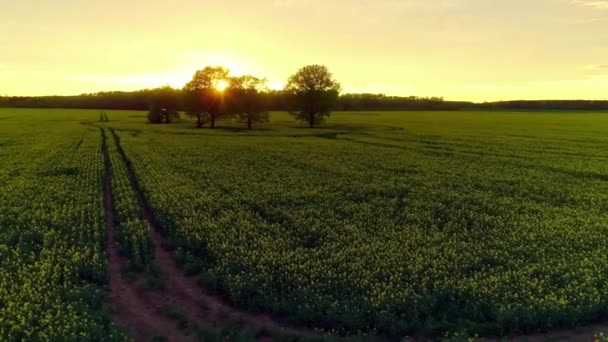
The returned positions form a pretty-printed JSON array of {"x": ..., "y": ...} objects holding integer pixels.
[{"x": 277, "y": 100}]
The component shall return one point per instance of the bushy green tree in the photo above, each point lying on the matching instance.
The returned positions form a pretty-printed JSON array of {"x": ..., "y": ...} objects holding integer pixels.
[
  {"x": 163, "y": 104},
  {"x": 313, "y": 93},
  {"x": 245, "y": 101}
]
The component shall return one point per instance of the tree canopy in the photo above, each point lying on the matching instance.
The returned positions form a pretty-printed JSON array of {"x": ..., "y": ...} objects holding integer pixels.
[
  {"x": 313, "y": 93},
  {"x": 244, "y": 99},
  {"x": 203, "y": 99},
  {"x": 164, "y": 102}
]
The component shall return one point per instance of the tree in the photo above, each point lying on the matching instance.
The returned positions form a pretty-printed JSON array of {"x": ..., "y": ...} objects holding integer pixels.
[
  {"x": 203, "y": 99},
  {"x": 313, "y": 93},
  {"x": 163, "y": 105},
  {"x": 245, "y": 101}
]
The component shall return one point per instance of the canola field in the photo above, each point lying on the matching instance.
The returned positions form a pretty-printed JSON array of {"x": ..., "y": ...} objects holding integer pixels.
[
  {"x": 378, "y": 222},
  {"x": 52, "y": 260}
]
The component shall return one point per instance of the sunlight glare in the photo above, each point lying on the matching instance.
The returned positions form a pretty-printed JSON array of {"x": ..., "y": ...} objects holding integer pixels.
[
  {"x": 275, "y": 85},
  {"x": 221, "y": 85}
]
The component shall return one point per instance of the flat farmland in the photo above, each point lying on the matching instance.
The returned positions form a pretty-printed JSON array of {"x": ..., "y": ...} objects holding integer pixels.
[{"x": 377, "y": 223}]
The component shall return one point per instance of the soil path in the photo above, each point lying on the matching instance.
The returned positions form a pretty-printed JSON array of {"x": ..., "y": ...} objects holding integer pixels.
[{"x": 128, "y": 308}]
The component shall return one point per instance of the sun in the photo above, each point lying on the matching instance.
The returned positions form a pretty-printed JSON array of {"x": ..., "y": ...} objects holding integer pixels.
[{"x": 221, "y": 85}]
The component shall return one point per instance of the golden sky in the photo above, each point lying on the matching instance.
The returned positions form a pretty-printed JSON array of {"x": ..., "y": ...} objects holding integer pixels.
[{"x": 460, "y": 49}]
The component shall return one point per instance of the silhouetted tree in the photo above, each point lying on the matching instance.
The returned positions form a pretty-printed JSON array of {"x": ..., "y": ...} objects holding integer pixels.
[
  {"x": 202, "y": 98},
  {"x": 155, "y": 116},
  {"x": 313, "y": 93},
  {"x": 245, "y": 101},
  {"x": 164, "y": 102}
]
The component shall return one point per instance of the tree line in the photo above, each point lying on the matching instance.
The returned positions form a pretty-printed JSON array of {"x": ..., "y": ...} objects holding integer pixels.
[
  {"x": 310, "y": 95},
  {"x": 276, "y": 100},
  {"x": 140, "y": 100}
]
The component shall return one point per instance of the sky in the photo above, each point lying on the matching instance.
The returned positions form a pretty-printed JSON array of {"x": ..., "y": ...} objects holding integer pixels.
[{"x": 477, "y": 50}]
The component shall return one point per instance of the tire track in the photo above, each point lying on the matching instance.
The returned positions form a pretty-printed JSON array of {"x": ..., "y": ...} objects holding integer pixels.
[
  {"x": 186, "y": 294},
  {"x": 128, "y": 308}
]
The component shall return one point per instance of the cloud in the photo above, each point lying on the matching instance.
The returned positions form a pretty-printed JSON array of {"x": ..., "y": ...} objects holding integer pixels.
[{"x": 595, "y": 4}]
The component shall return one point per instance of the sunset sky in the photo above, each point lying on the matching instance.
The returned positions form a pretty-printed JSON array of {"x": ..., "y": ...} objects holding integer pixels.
[{"x": 460, "y": 49}]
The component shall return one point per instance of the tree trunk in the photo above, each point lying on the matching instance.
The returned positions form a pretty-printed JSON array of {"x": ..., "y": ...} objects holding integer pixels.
[
  {"x": 311, "y": 120},
  {"x": 199, "y": 123},
  {"x": 212, "y": 120},
  {"x": 249, "y": 122}
]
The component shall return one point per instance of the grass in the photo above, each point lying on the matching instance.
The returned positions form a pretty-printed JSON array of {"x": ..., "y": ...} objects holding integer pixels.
[{"x": 449, "y": 223}]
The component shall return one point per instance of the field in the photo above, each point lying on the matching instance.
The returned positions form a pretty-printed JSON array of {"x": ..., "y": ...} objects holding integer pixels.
[
  {"x": 382, "y": 223},
  {"x": 52, "y": 261}
]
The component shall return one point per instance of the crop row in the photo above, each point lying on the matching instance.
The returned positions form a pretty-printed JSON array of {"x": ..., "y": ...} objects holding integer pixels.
[
  {"x": 53, "y": 268},
  {"x": 132, "y": 232}
]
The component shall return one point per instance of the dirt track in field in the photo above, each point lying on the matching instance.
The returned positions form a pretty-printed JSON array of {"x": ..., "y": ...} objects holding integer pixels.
[
  {"x": 139, "y": 311},
  {"x": 129, "y": 309}
]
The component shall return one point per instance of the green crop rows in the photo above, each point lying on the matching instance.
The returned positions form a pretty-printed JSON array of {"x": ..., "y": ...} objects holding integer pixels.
[
  {"x": 132, "y": 232},
  {"x": 52, "y": 262},
  {"x": 392, "y": 223},
  {"x": 397, "y": 222}
]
